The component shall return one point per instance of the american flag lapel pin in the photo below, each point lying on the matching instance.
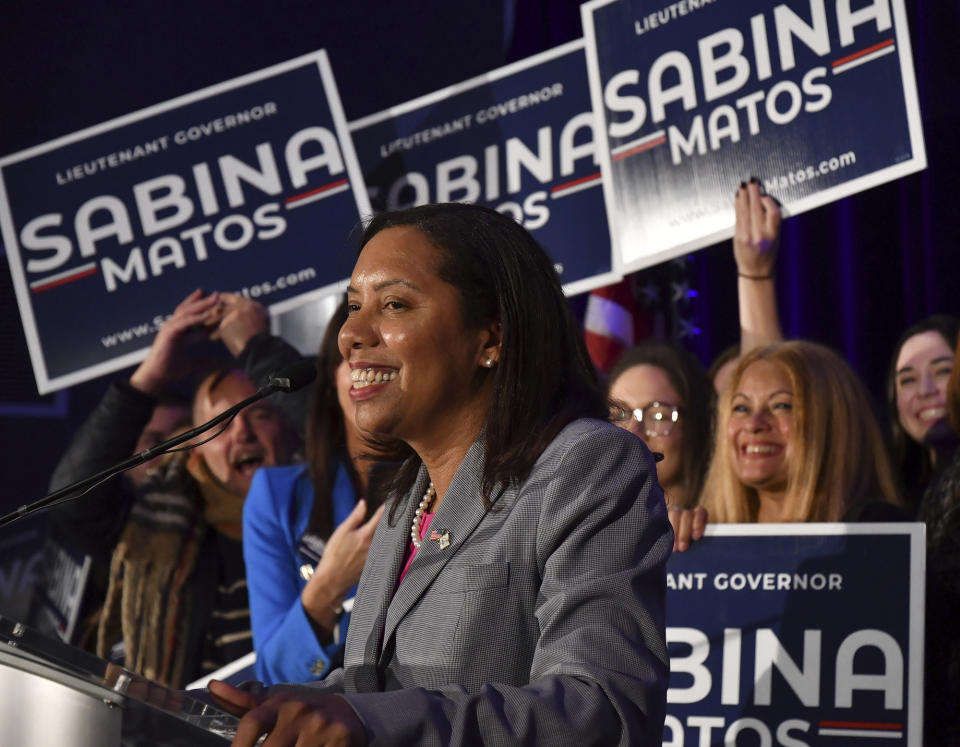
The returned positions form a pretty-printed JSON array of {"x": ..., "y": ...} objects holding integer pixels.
[{"x": 443, "y": 538}]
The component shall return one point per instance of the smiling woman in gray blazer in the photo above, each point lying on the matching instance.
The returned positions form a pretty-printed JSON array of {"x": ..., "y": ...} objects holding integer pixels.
[{"x": 514, "y": 589}]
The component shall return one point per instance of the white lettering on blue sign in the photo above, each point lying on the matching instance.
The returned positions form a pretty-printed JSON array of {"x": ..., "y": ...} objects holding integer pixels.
[{"x": 724, "y": 66}]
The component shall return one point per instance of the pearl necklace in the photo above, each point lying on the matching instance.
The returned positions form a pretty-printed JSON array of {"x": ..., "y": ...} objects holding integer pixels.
[{"x": 418, "y": 516}]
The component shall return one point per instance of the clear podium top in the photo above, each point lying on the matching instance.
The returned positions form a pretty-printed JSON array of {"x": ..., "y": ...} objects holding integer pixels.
[{"x": 26, "y": 649}]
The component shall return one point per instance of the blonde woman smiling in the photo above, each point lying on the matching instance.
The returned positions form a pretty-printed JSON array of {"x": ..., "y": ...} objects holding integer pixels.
[{"x": 796, "y": 441}]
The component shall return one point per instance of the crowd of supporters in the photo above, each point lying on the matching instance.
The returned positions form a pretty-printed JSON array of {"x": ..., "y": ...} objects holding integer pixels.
[{"x": 256, "y": 540}]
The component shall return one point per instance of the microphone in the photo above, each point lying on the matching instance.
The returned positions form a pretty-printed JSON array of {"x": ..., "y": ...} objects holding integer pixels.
[
  {"x": 289, "y": 379},
  {"x": 293, "y": 377}
]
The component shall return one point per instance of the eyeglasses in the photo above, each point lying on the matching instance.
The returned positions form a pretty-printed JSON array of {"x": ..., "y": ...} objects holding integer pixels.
[{"x": 656, "y": 419}]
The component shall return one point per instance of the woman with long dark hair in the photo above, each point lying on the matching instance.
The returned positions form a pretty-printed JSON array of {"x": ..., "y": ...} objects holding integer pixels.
[
  {"x": 306, "y": 534},
  {"x": 514, "y": 590},
  {"x": 920, "y": 367}
]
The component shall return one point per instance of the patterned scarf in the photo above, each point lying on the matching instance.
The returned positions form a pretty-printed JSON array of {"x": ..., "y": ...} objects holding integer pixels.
[{"x": 146, "y": 605}]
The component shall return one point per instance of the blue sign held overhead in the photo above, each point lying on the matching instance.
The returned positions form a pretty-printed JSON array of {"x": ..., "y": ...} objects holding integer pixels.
[
  {"x": 520, "y": 139},
  {"x": 248, "y": 186},
  {"x": 817, "y": 99}
]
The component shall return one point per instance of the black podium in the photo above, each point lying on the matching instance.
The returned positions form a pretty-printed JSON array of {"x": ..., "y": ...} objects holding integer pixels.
[{"x": 52, "y": 693}]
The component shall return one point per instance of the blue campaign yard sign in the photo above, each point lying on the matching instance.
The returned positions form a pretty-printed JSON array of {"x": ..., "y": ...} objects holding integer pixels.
[
  {"x": 519, "y": 139},
  {"x": 248, "y": 186},
  {"x": 815, "y": 98},
  {"x": 797, "y": 634}
]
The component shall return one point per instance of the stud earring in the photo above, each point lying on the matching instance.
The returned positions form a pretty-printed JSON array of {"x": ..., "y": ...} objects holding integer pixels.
[{"x": 488, "y": 363}]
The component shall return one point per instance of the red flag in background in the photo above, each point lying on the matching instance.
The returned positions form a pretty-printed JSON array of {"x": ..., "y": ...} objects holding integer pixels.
[{"x": 613, "y": 322}]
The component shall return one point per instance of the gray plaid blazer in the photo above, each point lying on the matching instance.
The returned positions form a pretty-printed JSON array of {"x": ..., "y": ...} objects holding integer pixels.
[{"x": 543, "y": 620}]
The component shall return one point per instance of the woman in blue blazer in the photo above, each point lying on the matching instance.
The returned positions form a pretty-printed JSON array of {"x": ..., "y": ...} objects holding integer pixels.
[{"x": 300, "y": 570}]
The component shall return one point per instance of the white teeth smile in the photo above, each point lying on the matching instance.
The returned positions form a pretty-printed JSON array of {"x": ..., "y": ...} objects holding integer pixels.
[
  {"x": 364, "y": 377},
  {"x": 932, "y": 413},
  {"x": 758, "y": 449}
]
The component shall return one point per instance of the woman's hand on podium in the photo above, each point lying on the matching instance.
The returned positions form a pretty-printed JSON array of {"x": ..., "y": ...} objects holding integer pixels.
[{"x": 291, "y": 718}]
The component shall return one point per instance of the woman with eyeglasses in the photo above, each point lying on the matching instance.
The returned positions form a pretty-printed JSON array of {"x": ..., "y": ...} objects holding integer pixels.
[
  {"x": 796, "y": 440},
  {"x": 661, "y": 393}
]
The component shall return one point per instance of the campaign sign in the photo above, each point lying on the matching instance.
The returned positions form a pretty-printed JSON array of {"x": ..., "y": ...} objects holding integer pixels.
[
  {"x": 796, "y": 634},
  {"x": 519, "y": 139},
  {"x": 248, "y": 186},
  {"x": 816, "y": 98}
]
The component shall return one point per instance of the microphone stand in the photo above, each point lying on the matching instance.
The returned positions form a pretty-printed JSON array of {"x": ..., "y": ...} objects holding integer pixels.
[{"x": 274, "y": 385}]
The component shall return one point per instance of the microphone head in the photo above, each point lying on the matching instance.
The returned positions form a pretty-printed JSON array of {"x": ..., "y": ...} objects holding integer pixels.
[{"x": 293, "y": 377}]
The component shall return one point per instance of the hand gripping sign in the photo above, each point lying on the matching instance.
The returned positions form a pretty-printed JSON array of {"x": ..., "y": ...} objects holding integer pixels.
[
  {"x": 248, "y": 186},
  {"x": 815, "y": 97}
]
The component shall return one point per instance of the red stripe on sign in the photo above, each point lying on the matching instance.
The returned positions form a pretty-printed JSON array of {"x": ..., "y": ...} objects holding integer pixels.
[
  {"x": 860, "y": 725},
  {"x": 316, "y": 191},
  {"x": 862, "y": 52},
  {"x": 575, "y": 182},
  {"x": 62, "y": 281},
  {"x": 640, "y": 148}
]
